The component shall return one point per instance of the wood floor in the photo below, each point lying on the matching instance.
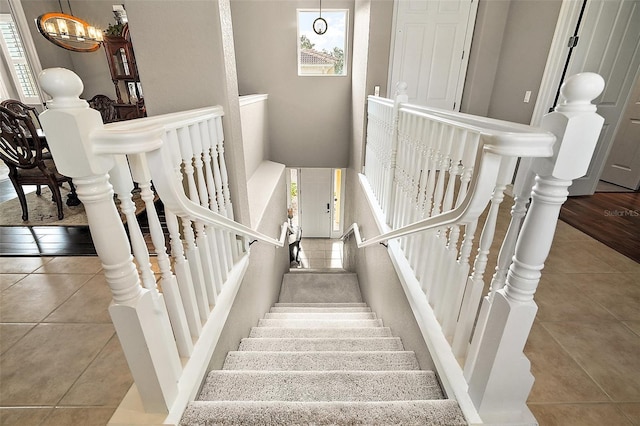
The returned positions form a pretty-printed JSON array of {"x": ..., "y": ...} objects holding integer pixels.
[{"x": 612, "y": 218}]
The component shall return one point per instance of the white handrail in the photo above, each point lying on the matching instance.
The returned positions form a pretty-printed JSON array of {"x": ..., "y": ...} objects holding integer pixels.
[
  {"x": 146, "y": 136},
  {"x": 423, "y": 174},
  {"x": 497, "y": 137}
]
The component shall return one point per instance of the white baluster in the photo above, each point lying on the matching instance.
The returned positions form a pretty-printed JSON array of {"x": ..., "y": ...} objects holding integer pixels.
[
  {"x": 202, "y": 239},
  {"x": 181, "y": 265},
  {"x": 500, "y": 379},
  {"x": 168, "y": 283},
  {"x": 220, "y": 267},
  {"x": 142, "y": 326},
  {"x": 120, "y": 178},
  {"x": 192, "y": 252},
  {"x": 225, "y": 195},
  {"x": 401, "y": 96}
]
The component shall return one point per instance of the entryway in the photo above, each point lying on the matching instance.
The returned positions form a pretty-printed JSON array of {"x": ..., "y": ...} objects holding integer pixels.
[{"x": 315, "y": 205}]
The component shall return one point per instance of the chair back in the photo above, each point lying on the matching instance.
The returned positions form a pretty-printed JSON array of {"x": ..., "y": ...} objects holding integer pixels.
[
  {"x": 18, "y": 148},
  {"x": 105, "y": 105},
  {"x": 20, "y": 108}
]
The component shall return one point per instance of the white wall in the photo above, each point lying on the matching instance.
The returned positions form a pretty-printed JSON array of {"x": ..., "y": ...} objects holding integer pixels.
[{"x": 255, "y": 131}]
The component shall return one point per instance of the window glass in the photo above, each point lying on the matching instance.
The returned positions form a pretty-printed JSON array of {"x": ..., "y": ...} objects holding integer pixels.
[
  {"x": 322, "y": 54},
  {"x": 13, "y": 50}
]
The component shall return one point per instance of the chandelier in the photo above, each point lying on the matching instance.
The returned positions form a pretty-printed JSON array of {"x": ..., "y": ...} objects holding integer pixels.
[{"x": 68, "y": 31}]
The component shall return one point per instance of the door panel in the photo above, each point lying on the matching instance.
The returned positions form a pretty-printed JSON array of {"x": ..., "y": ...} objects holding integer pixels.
[
  {"x": 623, "y": 165},
  {"x": 609, "y": 45},
  {"x": 430, "y": 37},
  {"x": 315, "y": 202}
]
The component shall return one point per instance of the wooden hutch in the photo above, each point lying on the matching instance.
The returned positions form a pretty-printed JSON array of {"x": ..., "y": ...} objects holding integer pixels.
[{"x": 124, "y": 74}]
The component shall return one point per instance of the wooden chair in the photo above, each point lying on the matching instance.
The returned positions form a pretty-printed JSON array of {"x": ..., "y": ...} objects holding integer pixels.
[
  {"x": 24, "y": 109},
  {"x": 105, "y": 105},
  {"x": 21, "y": 149}
]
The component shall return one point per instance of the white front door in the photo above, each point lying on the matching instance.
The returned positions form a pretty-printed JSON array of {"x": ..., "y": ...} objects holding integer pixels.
[
  {"x": 623, "y": 165},
  {"x": 315, "y": 202},
  {"x": 431, "y": 49},
  {"x": 608, "y": 45}
]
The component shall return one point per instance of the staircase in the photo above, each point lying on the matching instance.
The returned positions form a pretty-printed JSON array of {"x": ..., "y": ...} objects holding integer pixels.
[{"x": 320, "y": 356}]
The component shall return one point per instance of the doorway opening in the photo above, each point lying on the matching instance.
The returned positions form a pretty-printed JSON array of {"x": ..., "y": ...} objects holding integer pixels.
[{"x": 315, "y": 200}]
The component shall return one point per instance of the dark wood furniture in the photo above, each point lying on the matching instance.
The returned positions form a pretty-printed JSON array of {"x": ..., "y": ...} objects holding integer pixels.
[
  {"x": 106, "y": 106},
  {"x": 124, "y": 74},
  {"x": 24, "y": 152}
]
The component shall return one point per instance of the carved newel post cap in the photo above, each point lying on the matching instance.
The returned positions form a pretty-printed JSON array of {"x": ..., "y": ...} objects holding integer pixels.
[
  {"x": 64, "y": 86},
  {"x": 579, "y": 90}
]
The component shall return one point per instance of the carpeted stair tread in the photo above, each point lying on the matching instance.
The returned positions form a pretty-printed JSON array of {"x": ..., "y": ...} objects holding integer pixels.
[
  {"x": 227, "y": 385},
  {"x": 315, "y": 287},
  {"x": 321, "y": 357},
  {"x": 334, "y": 332},
  {"x": 328, "y": 323},
  {"x": 321, "y": 305},
  {"x": 321, "y": 344},
  {"x": 321, "y": 360},
  {"x": 320, "y": 315},
  {"x": 315, "y": 309},
  {"x": 277, "y": 413}
]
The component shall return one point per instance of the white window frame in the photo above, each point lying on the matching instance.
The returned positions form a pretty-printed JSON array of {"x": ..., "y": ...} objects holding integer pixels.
[
  {"x": 31, "y": 56},
  {"x": 346, "y": 42}
]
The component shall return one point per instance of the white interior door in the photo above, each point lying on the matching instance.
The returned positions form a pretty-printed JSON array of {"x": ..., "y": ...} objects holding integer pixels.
[
  {"x": 430, "y": 41},
  {"x": 315, "y": 202},
  {"x": 623, "y": 165},
  {"x": 609, "y": 45}
]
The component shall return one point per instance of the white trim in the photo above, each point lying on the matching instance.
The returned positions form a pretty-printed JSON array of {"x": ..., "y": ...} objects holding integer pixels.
[
  {"x": 130, "y": 410},
  {"x": 558, "y": 52},
  {"x": 464, "y": 65},
  {"x": 252, "y": 99},
  {"x": 27, "y": 41}
]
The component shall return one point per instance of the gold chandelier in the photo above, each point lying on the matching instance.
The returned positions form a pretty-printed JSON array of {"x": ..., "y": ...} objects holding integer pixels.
[{"x": 69, "y": 32}]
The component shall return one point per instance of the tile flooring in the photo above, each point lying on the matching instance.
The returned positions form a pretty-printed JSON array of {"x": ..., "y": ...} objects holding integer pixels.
[{"x": 318, "y": 253}]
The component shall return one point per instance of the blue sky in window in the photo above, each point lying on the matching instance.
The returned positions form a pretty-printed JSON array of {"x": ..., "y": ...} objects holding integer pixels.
[{"x": 335, "y": 35}]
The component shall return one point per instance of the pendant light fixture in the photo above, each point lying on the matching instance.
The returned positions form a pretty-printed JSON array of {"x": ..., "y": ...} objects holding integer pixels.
[
  {"x": 68, "y": 31},
  {"x": 320, "y": 26}
]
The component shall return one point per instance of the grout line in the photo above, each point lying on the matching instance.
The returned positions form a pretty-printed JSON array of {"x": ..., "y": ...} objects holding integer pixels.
[{"x": 576, "y": 362}]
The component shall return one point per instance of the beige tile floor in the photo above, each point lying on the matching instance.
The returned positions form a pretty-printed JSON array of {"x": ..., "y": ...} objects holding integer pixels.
[
  {"x": 319, "y": 253},
  {"x": 61, "y": 363}
]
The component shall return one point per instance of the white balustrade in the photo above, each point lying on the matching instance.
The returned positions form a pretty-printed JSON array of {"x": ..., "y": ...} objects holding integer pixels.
[
  {"x": 163, "y": 323},
  {"x": 443, "y": 169}
]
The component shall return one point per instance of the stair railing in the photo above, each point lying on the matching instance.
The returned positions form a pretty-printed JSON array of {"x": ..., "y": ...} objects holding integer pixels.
[
  {"x": 168, "y": 319},
  {"x": 434, "y": 179}
]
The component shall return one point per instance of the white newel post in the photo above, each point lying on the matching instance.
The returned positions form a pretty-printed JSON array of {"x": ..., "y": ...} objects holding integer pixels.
[
  {"x": 501, "y": 380},
  {"x": 141, "y": 324}
]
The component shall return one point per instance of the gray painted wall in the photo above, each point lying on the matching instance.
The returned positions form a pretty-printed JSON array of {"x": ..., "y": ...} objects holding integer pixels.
[
  {"x": 195, "y": 69},
  {"x": 309, "y": 117},
  {"x": 497, "y": 80},
  {"x": 379, "y": 282},
  {"x": 261, "y": 285}
]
